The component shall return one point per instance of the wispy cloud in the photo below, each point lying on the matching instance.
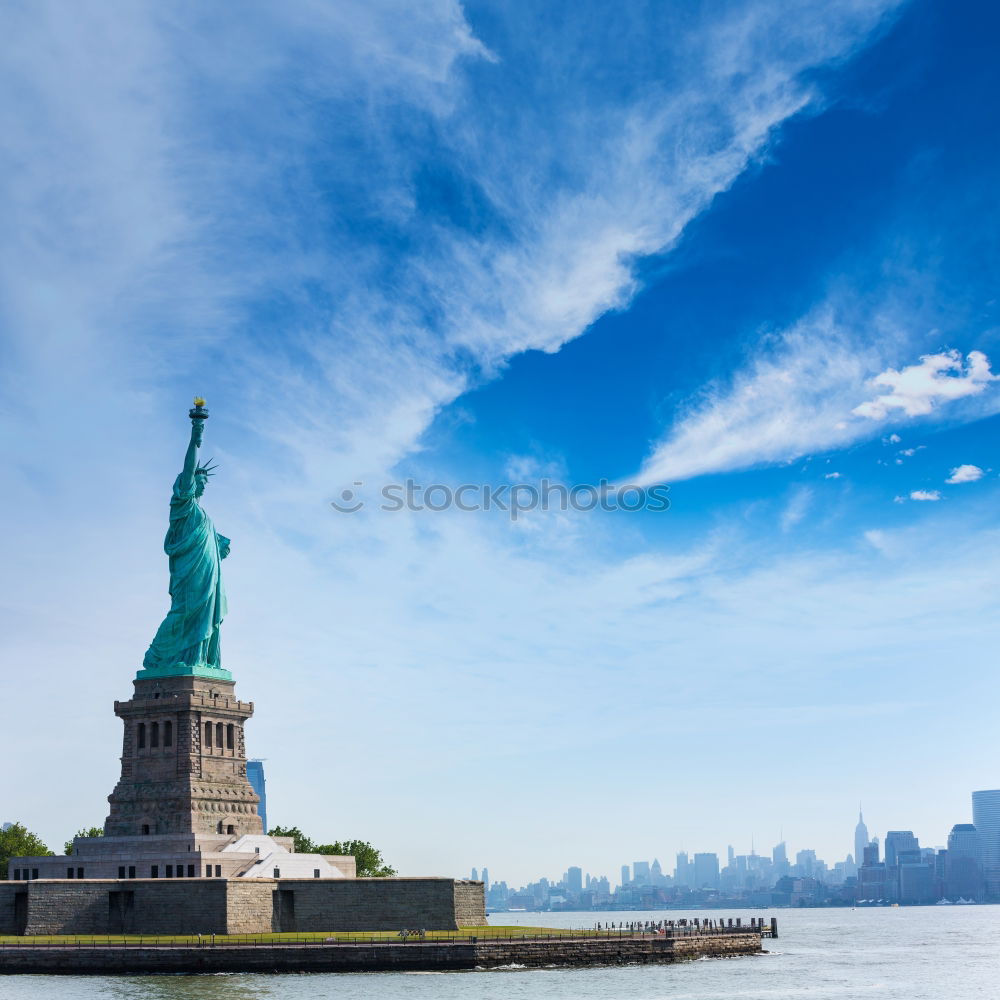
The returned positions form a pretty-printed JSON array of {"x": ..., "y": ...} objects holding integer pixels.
[
  {"x": 796, "y": 508},
  {"x": 799, "y": 394},
  {"x": 206, "y": 172},
  {"x": 793, "y": 398},
  {"x": 930, "y": 495}
]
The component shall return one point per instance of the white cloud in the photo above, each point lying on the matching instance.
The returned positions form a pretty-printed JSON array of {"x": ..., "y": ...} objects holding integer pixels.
[
  {"x": 832, "y": 475},
  {"x": 917, "y": 389},
  {"x": 799, "y": 394},
  {"x": 965, "y": 474},
  {"x": 925, "y": 495}
]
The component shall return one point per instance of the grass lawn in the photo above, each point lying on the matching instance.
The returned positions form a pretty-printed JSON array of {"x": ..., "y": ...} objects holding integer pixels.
[{"x": 316, "y": 936}]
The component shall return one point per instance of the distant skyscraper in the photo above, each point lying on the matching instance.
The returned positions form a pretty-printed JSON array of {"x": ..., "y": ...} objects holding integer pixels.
[
  {"x": 963, "y": 841},
  {"x": 706, "y": 871},
  {"x": 486, "y": 880},
  {"x": 986, "y": 817},
  {"x": 475, "y": 874},
  {"x": 963, "y": 865},
  {"x": 640, "y": 872},
  {"x": 916, "y": 881},
  {"x": 897, "y": 841},
  {"x": 779, "y": 858},
  {"x": 574, "y": 879},
  {"x": 730, "y": 854},
  {"x": 255, "y": 775},
  {"x": 656, "y": 870},
  {"x": 805, "y": 862},
  {"x": 626, "y": 875},
  {"x": 682, "y": 874},
  {"x": 860, "y": 838}
]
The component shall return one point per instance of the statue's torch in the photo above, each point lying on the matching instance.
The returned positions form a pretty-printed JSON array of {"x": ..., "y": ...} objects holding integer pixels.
[{"x": 199, "y": 411}]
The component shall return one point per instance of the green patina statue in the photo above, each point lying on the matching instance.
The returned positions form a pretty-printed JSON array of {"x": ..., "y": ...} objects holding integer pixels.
[{"x": 187, "y": 642}]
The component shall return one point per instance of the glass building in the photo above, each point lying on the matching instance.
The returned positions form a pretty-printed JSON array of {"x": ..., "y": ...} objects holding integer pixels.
[
  {"x": 986, "y": 819},
  {"x": 255, "y": 775},
  {"x": 963, "y": 865},
  {"x": 897, "y": 841}
]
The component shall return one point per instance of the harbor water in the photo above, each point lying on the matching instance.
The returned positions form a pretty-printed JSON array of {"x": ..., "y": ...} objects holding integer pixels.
[{"x": 905, "y": 953}]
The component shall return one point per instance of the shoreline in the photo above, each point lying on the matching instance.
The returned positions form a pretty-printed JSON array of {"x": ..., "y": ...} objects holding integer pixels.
[{"x": 418, "y": 956}]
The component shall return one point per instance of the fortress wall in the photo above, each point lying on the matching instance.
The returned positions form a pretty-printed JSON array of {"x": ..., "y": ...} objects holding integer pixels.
[
  {"x": 470, "y": 904},
  {"x": 237, "y": 906},
  {"x": 249, "y": 904},
  {"x": 8, "y": 891},
  {"x": 126, "y": 906},
  {"x": 180, "y": 906},
  {"x": 67, "y": 907},
  {"x": 374, "y": 904}
]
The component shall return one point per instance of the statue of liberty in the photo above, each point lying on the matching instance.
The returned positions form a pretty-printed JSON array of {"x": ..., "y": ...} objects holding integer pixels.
[{"x": 188, "y": 640}]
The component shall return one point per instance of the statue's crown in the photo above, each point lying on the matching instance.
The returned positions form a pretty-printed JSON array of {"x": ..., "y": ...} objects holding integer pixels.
[{"x": 207, "y": 469}]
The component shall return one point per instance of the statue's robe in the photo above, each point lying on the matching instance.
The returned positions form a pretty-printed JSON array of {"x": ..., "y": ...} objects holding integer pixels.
[{"x": 190, "y": 632}]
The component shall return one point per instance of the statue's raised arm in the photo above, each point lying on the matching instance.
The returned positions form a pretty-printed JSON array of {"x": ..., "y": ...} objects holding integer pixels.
[
  {"x": 188, "y": 640},
  {"x": 191, "y": 456}
]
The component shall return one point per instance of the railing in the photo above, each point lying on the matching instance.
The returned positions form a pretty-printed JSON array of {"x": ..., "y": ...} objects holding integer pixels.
[{"x": 326, "y": 939}]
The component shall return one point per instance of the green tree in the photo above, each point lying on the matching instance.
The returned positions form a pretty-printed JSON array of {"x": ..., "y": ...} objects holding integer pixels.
[
  {"x": 303, "y": 845},
  {"x": 371, "y": 864},
  {"x": 369, "y": 859},
  {"x": 17, "y": 841},
  {"x": 89, "y": 831}
]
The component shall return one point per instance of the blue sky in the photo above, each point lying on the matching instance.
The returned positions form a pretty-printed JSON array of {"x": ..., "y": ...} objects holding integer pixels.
[{"x": 746, "y": 251}]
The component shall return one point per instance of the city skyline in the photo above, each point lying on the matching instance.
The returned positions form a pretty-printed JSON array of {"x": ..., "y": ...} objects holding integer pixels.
[{"x": 706, "y": 869}]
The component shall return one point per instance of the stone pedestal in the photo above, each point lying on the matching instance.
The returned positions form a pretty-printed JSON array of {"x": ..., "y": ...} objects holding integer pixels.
[{"x": 183, "y": 761}]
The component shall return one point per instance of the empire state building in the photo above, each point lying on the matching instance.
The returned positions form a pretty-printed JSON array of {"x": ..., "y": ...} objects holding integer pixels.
[{"x": 860, "y": 840}]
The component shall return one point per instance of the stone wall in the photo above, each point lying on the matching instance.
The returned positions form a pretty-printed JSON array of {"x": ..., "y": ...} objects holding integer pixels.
[
  {"x": 380, "y": 904},
  {"x": 613, "y": 951},
  {"x": 470, "y": 904},
  {"x": 716, "y": 945},
  {"x": 130, "y": 906},
  {"x": 68, "y": 907},
  {"x": 8, "y": 892},
  {"x": 249, "y": 905},
  {"x": 236, "y": 906}
]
